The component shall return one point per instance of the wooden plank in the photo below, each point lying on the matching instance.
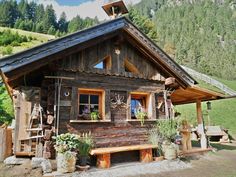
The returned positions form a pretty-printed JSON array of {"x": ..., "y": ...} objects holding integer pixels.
[
  {"x": 121, "y": 149},
  {"x": 74, "y": 103},
  {"x": 65, "y": 103},
  {"x": 30, "y": 154},
  {"x": 153, "y": 105},
  {"x": 8, "y": 142},
  {"x": 107, "y": 105},
  {"x": 3, "y": 144},
  {"x": 199, "y": 112}
]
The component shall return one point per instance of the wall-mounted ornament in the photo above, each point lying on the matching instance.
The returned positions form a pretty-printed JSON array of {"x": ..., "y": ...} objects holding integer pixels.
[
  {"x": 118, "y": 102},
  {"x": 67, "y": 93}
]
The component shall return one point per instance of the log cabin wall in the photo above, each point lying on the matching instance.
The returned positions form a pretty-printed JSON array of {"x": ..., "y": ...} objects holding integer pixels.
[{"x": 115, "y": 129}]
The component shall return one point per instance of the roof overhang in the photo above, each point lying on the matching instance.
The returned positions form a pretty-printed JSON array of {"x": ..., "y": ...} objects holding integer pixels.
[
  {"x": 194, "y": 93},
  {"x": 22, "y": 61}
]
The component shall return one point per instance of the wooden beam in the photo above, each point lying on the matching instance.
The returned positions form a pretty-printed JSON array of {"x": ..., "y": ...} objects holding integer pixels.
[
  {"x": 59, "y": 77},
  {"x": 201, "y": 127},
  {"x": 199, "y": 112},
  {"x": 5, "y": 81}
]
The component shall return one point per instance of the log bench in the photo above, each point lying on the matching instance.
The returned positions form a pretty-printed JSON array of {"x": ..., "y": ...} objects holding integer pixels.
[{"x": 104, "y": 154}]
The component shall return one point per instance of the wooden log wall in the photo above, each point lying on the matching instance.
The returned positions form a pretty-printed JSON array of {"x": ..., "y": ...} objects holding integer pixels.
[
  {"x": 85, "y": 60},
  {"x": 117, "y": 132}
]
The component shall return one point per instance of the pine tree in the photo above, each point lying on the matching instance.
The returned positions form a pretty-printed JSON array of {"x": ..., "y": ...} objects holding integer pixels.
[
  {"x": 62, "y": 23},
  {"x": 49, "y": 19},
  {"x": 39, "y": 13}
]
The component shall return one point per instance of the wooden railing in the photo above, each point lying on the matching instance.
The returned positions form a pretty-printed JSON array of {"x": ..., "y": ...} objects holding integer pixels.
[{"x": 209, "y": 80}]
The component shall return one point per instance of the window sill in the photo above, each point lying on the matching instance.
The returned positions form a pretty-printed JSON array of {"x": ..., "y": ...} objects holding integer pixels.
[
  {"x": 147, "y": 120},
  {"x": 89, "y": 121}
]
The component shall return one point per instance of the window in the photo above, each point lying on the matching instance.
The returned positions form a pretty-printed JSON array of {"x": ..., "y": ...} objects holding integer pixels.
[
  {"x": 104, "y": 64},
  {"x": 140, "y": 101},
  {"x": 91, "y": 102},
  {"x": 101, "y": 65}
]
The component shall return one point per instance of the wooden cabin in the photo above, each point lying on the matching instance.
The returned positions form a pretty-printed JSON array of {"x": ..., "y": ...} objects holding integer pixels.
[{"x": 111, "y": 68}]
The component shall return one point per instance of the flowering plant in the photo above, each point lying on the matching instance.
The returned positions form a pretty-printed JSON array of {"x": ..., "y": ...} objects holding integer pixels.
[{"x": 67, "y": 142}]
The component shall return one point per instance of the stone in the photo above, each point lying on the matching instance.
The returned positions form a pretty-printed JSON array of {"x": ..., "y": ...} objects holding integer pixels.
[
  {"x": 46, "y": 166},
  {"x": 15, "y": 161},
  {"x": 36, "y": 162}
]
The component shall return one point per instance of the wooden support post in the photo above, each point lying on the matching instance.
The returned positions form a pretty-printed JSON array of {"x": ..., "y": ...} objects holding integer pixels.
[
  {"x": 104, "y": 160},
  {"x": 166, "y": 106},
  {"x": 146, "y": 155},
  {"x": 201, "y": 125}
]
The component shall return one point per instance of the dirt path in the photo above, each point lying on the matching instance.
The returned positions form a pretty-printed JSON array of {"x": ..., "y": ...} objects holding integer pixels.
[
  {"x": 24, "y": 170},
  {"x": 219, "y": 164}
]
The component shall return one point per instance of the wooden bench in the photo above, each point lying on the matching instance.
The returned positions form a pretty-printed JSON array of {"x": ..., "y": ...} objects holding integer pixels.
[{"x": 104, "y": 154}]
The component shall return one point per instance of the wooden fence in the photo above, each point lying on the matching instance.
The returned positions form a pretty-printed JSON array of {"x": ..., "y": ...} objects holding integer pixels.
[{"x": 210, "y": 81}]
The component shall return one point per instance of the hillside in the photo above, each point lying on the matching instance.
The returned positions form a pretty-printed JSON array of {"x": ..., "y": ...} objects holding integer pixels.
[
  {"x": 200, "y": 34},
  {"x": 30, "y": 39}
]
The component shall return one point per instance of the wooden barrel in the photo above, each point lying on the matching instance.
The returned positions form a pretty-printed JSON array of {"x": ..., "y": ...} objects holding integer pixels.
[{"x": 6, "y": 143}]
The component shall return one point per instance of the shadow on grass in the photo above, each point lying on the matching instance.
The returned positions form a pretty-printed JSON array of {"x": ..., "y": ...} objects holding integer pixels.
[{"x": 223, "y": 147}]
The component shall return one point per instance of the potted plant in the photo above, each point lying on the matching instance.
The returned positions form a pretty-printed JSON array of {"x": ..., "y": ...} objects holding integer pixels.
[
  {"x": 84, "y": 148},
  {"x": 141, "y": 115},
  {"x": 94, "y": 115},
  {"x": 155, "y": 139},
  {"x": 168, "y": 131},
  {"x": 66, "y": 146}
]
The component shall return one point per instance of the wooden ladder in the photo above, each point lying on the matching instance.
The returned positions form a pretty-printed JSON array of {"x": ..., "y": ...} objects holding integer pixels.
[{"x": 32, "y": 144}]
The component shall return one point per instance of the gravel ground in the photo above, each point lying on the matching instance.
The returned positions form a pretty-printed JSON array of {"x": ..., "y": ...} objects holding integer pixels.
[{"x": 134, "y": 169}]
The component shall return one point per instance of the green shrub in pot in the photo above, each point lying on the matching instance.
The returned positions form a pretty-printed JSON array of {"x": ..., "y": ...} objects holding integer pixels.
[{"x": 66, "y": 147}]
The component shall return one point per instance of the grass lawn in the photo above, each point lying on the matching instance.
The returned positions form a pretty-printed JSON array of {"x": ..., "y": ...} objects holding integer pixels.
[{"x": 39, "y": 36}]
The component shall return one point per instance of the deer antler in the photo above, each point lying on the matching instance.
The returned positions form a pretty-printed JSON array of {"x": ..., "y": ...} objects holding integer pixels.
[{"x": 118, "y": 102}]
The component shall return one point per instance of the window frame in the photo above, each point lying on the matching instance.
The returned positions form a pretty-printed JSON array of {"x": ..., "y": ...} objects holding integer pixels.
[
  {"x": 148, "y": 105},
  {"x": 101, "y": 101},
  {"x": 107, "y": 61}
]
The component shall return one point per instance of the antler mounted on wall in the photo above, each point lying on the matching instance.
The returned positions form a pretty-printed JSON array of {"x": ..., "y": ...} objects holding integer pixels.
[{"x": 118, "y": 102}]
